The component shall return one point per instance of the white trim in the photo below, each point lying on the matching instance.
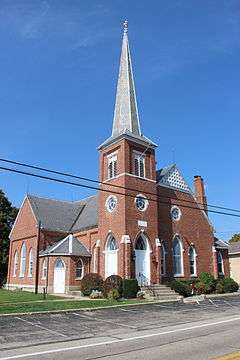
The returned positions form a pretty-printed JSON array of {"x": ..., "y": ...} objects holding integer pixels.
[
  {"x": 21, "y": 270},
  {"x": 44, "y": 267},
  {"x": 182, "y": 251},
  {"x": 112, "y": 154},
  {"x": 15, "y": 263},
  {"x": 30, "y": 263},
  {"x": 107, "y": 205},
  {"x": 179, "y": 212},
  {"x": 194, "y": 259},
  {"x": 58, "y": 244},
  {"x": 146, "y": 203},
  {"x": 222, "y": 262},
  {"x": 70, "y": 243},
  {"x": 128, "y": 174},
  {"x": 77, "y": 277}
]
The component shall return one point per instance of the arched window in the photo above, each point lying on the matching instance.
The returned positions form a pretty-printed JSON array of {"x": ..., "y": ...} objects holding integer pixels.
[
  {"x": 163, "y": 258},
  {"x": 112, "y": 244},
  {"x": 15, "y": 264},
  {"x": 141, "y": 243},
  {"x": 79, "y": 269},
  {"x": 220, "y": 263},
  {"x": 44, "y": 269},
  {"x": 23, "y": 260},
  {"x": 192, "y": 261},
  {"x": 177, "y": 257},
  {"x": 30, "y": 263}
]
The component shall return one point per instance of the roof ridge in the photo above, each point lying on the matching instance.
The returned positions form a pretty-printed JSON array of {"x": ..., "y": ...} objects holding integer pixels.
[{"x": 29, "y": 196}]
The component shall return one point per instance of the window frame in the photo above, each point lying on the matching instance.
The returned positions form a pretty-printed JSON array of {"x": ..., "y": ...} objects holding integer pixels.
[
  {"x": 44, "y": 269},
  {"x": 77, "y": 268},
  {"x": 15, "y": 264},
  {"x": 30, "y": 263},
  {"x": 180, "y": 257},
  {"x": 192, "y": 248},
  {"x": 112, "y": 166},
  {"x": 138, "y": 159},
  {"x": 23, "y": 258},
  {"x": 219, "y": 254}
]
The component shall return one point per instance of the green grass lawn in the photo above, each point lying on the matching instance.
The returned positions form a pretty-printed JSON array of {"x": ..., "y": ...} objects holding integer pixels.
[
  {"x": 7, "y": 296},
  {"x": 26, "y": 302}
]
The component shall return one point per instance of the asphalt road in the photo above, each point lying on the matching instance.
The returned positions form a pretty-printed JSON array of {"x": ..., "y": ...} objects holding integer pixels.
[{"x": 160, "y": 331}]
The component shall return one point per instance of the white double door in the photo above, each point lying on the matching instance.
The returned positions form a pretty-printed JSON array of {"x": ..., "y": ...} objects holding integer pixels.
[{"x": 142, "y": 267}]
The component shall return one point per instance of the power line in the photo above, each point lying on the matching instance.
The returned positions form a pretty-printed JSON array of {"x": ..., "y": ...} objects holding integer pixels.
[
  {"x": 109, "y": 191},
  {"x": 113, "y": 185}
]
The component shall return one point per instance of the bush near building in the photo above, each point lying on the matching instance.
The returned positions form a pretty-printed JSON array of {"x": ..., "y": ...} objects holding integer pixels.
[
  {"x": 129, "y": 288},
  {"x": 204, "y": 284},
  {"x": 113, "y": 282},
  {"x": 90, "y": 282}
]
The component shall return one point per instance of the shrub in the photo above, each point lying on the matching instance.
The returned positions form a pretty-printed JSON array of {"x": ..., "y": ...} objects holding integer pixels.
[
  {"x": 219, "y": 288},
  {"x": 129, "y": 288},
  {"x": 181, "y": 288},
  {"x": 113, "y": 282},
  {"x": 200, "y": 288},
  {"x": 208, "y": 280},
  {"x": 229, "y": 285},
  {"x": 91, "y": 282},
  {"x": 113, "y": 294}
]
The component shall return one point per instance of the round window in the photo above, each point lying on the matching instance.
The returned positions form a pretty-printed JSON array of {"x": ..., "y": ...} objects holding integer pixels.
[
  {"x": 141, "y": 202},
  {"x": 111, "y": 203},
  {"x": 175, "y": 213}
]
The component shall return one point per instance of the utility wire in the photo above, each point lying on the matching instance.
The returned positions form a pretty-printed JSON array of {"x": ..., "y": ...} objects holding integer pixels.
[
  {"x": 109, "y": 191},
  {"x": 103, "y": 183}
]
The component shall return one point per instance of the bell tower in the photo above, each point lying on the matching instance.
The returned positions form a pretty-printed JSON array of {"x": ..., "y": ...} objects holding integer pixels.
[{"x": 127, "y": 202}]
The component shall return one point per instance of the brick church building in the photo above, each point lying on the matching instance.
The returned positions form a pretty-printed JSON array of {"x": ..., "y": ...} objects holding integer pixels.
[{"x": 144, "y": 223}]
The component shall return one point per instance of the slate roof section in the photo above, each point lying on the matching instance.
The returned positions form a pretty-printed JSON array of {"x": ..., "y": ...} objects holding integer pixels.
[
  {"x": 70, "y": 245},
  {"x": 64, "y": 216},
  {"x": 220, "y": 244},
  {"x": 171, "y": 177},
  {"x": 234, "y": 248}
]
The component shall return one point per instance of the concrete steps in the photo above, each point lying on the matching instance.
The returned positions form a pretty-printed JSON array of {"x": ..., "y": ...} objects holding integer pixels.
[{"x": 161, "y": 292}]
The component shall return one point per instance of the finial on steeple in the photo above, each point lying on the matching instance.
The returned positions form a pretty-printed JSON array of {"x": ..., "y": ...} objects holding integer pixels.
[{"x": 125, "y": 27}]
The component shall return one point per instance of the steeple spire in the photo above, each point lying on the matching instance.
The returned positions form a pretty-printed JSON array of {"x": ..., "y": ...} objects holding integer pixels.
[{"x": 125, "y": 114}]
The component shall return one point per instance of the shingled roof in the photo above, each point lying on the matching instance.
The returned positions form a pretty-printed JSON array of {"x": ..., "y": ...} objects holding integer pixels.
[
  {"x": 234, "y": 248},
  {"x": 65, "y": 216},
  {"x": 70, "y": 245}
]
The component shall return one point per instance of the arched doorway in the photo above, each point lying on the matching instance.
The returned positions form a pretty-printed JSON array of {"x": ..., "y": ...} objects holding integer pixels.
[
  {"x": 142, "y": 260},
  {"x": 59, "y": 277},
  {"x": 111, "y": 257}
]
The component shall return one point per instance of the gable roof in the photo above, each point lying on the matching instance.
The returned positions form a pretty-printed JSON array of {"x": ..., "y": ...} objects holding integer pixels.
[
  {"x": 170, "y": 177},
  {"x": 220, "y": 244},
  {"x": 234, "y": 248},
  {"x": 65, "y": 216},
  {"x": 70, "y": 245}
]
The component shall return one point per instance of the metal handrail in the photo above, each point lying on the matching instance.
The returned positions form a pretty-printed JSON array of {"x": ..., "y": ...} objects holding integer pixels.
[{"x": 144, "y": 281}]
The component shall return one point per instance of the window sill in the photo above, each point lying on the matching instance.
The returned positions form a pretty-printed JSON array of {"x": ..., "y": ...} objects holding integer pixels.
[
  {"x": 21, "y": 276},
  {"x": 178, "y": 275},
  {"x": 78, "y": 278}
]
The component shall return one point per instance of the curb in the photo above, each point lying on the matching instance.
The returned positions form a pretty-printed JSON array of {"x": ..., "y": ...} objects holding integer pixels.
[
  {"x": 87, "y": 309},
  {"x": 203, "y": 297}
]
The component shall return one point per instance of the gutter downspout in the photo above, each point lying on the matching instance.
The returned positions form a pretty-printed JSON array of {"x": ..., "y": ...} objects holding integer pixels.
[{"x": 37, "y": 257}]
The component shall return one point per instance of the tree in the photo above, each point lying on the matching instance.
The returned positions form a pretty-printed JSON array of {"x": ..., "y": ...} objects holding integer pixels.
[
  {"x": 8, "y": 214},
  {"x": 235, "y": 238}
]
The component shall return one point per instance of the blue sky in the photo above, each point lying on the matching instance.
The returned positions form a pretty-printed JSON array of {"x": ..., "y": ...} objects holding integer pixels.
[{"x": 58, "y": 69}]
